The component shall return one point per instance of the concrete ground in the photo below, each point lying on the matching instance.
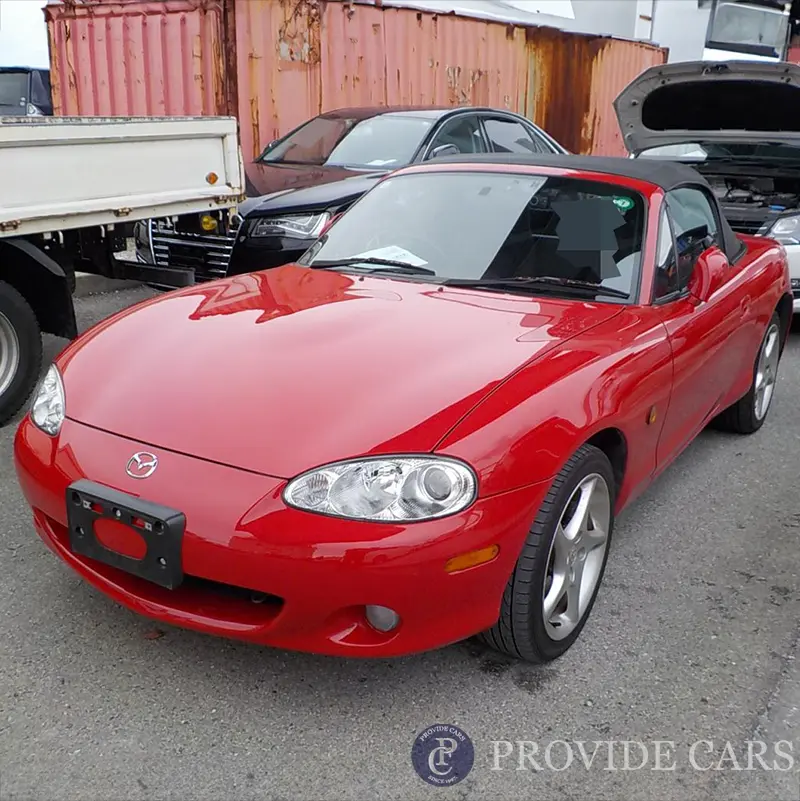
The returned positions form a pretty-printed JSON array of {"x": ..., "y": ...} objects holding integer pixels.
[{"x": 694, "y": 638}]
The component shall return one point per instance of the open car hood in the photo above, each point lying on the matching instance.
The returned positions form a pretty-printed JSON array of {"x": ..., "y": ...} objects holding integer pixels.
[{"x": 726, "y": 102}]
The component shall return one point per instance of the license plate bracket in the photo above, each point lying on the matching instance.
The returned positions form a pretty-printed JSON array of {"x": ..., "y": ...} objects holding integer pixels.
[{"x": 162, "y": 530}]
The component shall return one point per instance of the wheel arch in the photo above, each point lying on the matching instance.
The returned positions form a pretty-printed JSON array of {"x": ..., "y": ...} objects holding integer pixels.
[
  {"x": 785, "y": 310},
  {"x": 612, "y": 442},
  {"x": 42, "y": 282}
]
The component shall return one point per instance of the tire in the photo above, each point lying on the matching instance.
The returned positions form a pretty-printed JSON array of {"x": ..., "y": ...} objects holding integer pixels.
[
  {"x": 521, "y": 631},
  {"x": 72, "y": 280},
  {"x": 748, "y": 414},
  {"x": 20, "y": 351}
]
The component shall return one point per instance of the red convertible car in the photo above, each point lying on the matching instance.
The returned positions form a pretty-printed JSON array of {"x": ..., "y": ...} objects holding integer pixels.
[{"x": 421, "y": 432}]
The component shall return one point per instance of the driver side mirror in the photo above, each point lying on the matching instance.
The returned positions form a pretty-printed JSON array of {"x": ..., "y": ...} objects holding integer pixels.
[
  {"x": 443, "y": 150},
  {"x": 709, "y": 273}
]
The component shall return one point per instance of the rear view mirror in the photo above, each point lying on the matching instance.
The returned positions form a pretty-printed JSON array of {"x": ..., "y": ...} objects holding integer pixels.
[{"x": 708, "y": 274}]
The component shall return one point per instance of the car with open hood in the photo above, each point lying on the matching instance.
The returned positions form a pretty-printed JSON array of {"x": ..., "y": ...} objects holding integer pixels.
[
  {"x": 318, "y": 170},
  {"x": 738, "y": 124},
  {"x": 423, "y": 430}
]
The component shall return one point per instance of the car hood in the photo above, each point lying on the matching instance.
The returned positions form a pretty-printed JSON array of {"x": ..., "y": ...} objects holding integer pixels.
[
  {"x": 697, "y": 101},
  {"x": 280, "y": 188},
  {"x": 283, "y": 370}
]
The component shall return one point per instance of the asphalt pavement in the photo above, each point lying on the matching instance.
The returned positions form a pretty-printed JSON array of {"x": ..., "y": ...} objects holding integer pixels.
[{"x": 694, "y": 638}]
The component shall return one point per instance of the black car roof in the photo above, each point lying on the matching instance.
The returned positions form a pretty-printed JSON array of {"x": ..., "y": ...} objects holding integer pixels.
[{"x": 665, "y": 174}]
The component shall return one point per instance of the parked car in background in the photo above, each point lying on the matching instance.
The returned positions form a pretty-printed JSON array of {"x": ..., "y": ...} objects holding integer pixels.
[
  {"x": 318, "y": 170},
  {"x": 737, "y": 124},
  {"x": 25, "y": 91},
  {"x": 425, "y": 430}
]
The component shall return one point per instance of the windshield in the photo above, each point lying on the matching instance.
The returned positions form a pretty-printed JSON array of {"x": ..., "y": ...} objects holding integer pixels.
[
  {"x": 385, "y": 142},
  {"x": 758, "y": 29},
  {"x": 481, "y": 225},
  {"x": 710, "y": 151},
  {"x": 14, "y": 91}
]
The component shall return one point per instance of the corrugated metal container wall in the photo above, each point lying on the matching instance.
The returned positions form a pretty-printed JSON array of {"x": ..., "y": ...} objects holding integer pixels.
[
  {"x": 300, "y": 57},
  {"x": 278, "y": 62},
  {"x": 575, "y": 79},
  {"x": 162, "y": 57}
]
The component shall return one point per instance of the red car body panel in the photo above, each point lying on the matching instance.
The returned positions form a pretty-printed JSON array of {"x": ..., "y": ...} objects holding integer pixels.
[
  {"x": 242, "y": 384},
  {"x": 270, "y": 391}
]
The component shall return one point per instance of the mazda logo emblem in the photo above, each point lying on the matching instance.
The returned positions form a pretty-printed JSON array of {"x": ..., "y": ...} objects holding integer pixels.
[{"x": 142, "y": 465}]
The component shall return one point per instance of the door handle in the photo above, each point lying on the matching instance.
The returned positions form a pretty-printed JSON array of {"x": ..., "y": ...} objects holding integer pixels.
[{"x": 744, "y": 307}]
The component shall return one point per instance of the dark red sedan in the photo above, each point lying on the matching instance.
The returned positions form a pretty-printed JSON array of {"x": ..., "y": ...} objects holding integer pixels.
[{"x": 424, "y": 430}]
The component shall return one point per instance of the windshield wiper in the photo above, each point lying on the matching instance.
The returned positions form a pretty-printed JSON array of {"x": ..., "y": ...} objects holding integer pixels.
[
  {"x": 352, "y": 261},
  {"x": 534, "y": 281}
]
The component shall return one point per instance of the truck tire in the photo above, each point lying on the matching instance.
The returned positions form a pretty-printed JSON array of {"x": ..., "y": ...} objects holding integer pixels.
[{"x": 20, "y": 351}]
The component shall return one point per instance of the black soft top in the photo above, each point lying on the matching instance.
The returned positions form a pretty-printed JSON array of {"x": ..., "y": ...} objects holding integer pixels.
[{"x": 661, "y": 173}]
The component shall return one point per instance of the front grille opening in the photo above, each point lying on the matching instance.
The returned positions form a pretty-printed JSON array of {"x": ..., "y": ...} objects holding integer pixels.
[
  {"x": 208, "y": 255},
  {"x": 232, "y": 592}
]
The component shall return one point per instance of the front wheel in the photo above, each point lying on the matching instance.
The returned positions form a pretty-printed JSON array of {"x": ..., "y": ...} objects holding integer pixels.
[
  {"x": 554, "y": 585},
  {"x": 20, "y": 351}
]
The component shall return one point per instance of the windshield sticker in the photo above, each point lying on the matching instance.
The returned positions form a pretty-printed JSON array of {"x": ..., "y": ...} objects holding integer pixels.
[
  {"x": 395, "y": 253},
  {"x": 380, "y": 162},
  {"x": 623, "y": 203}
]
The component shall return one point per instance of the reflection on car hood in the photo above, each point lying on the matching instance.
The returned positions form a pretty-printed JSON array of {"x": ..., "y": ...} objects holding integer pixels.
[
  {"x": 280, "y": 188},
  {"x": 698, "y": 101},
  {"x": 283, "y": 370}
]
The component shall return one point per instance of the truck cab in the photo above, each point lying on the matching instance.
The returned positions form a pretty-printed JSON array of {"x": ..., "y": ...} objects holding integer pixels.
[
  {"x": 748, "y": 30},
  {"x": 25, "y": 91}
]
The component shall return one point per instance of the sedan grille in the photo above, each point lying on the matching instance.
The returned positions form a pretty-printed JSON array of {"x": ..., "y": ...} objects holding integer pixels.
[{"x": 209, "y": 255}]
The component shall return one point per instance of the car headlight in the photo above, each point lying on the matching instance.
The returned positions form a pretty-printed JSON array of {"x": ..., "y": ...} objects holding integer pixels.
[
  {"x": 401, "y": 488},
  {"x": 47, "y": 409},
  {"x": 302, "y": 226},
  {"x": 785, "y": 230}
]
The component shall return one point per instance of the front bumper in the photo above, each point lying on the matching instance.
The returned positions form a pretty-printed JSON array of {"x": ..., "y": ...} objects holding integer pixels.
[{"x": 311, "y": 575}]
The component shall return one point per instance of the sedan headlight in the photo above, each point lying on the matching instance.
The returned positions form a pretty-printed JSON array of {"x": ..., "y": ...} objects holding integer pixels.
[
  {"x": 785, "y": 230},
  {"x": 47, "y": 409},
  {"x": 301, "y": 226},
  {"x": 385, "y": 488}
]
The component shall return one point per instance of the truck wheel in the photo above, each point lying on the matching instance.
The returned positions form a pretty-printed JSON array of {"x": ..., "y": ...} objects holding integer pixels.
[{"x": 20, "y": 351}]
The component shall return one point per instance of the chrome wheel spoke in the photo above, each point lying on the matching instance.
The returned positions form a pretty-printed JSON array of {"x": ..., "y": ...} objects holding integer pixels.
[
  {"x": 555, "y": 595},
  {"x": 579, "y": 519}
]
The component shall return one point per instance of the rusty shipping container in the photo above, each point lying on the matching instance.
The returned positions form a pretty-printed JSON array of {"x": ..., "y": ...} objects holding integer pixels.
[{"x": 275, "y": 63}]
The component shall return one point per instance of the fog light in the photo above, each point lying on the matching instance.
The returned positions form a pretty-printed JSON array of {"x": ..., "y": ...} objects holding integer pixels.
[
  {"x": 208, "y": 223},
  {"x": 382, "y": 618}
]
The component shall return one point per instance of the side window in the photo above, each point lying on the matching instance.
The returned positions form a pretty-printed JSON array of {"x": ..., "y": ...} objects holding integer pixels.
[
  {"x": 666, "y": 279},
  {"x": 693, "y": 219},
  {"x": 464, "y": 132},
  {"x": 510, "y": 136}
]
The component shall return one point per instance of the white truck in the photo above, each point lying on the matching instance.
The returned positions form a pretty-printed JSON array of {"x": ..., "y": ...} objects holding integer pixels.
[{"x": 71, "y": 190}]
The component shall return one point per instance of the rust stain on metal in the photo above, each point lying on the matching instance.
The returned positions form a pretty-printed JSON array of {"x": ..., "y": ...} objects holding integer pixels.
[
  {"x": 228, "y": 63},
  {"x": 561, "y": 69},
  {"x": 255, "y": 116},
  {"x": 299, "y": 33},
  {"x": 463, "y": 93}
]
